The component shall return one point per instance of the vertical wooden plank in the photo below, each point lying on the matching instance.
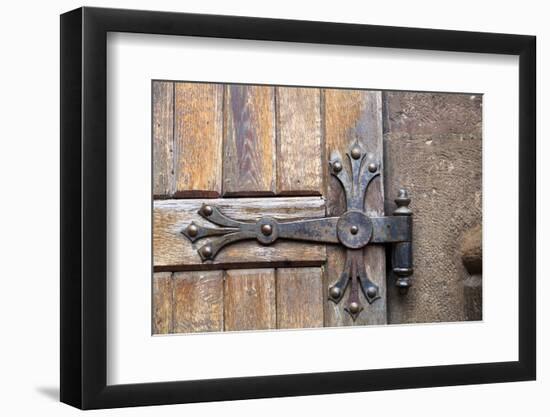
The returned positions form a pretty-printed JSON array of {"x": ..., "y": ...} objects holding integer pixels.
[
  {"x": 299, "y": 298},
  {"x": 162, "y": 303},
  {"x": 299, "y": 150},
  {"x": 198, "y": 139},
  {"x": 249, "y": 301},
  {"x": 198, "y": 301},
  {"x": 163, "y": 138},
  {"x": 355, "y": 115},
  {"x": 249, "y": 146}
]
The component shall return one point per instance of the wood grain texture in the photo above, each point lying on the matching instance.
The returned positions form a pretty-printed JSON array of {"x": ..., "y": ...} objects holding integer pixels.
[
  {"x": 162, "y": 303},
  {"x": 198, "y": 139},
  {"x": 198, "y": 301},
  {"x": 355, "y": 115},
  {"x": 172, "y": 250},
  {"x": 299, "y": 149},
  {"x": 249, "y": 145},
  {"x": 163, "y": 138},
  {"x": 249, "y": 301},
  {"x": 299, "y": 298}
]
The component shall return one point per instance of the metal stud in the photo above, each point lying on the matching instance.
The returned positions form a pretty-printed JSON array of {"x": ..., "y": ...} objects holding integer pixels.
[
  {"x": 371, "y": 292},
  {"x": 356, "y": 152},
  {"x": 267, "y": 229},
  {"x": 354, "y": 229},
  {"x": 192, "y": 230},
  {"x": 354, "y": 308},
  {"x": 335, "y": 292},
  {"x": 207, "y": 251}
]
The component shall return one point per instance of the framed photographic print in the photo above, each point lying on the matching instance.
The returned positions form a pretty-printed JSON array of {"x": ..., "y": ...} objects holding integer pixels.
[{"x": 258, "y": 207}]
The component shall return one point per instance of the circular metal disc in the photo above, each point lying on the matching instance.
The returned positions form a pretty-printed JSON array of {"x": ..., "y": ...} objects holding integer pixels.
[
  {"x": 263, "y": 238},
  {"x": 346, "y": 224}
]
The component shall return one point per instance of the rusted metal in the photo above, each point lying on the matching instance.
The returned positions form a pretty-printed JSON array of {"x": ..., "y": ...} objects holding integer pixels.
[
  {"x": 402, "y": 265},
  {"x": 354, "y": 230},
  {"x": 354, "y": 275}
]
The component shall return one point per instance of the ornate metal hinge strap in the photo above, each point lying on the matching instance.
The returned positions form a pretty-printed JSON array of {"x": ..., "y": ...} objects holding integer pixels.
[{"x": 354, "y": 230}]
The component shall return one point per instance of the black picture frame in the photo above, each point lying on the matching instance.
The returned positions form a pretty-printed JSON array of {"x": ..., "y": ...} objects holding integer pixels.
[{"x": 84, "y": 207}]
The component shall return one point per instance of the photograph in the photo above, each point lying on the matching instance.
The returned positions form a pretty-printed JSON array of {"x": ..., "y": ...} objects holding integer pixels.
[
  {"x": 265, "y": 207},
  {"x": 268, "y": 209},
  {"x": 292, "y": 207}
]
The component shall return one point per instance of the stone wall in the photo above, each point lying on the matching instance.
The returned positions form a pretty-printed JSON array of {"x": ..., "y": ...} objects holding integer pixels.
[{"x": 433, "y": 147}]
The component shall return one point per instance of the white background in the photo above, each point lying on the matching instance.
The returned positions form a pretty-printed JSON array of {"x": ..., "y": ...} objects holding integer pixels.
[
  {"x": 29, "y": 222},
  {"x": 133, "y": 60}
]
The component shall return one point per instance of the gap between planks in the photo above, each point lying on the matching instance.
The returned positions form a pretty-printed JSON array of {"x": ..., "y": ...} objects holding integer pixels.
[{"x": 238, "y": 300}]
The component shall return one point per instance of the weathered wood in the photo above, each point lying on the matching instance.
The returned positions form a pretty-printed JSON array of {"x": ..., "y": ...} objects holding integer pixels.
[
  {"x": 162, "y": 303},
  {"x": 172, "y": 250},
  {"x": 198, "y": 301},
  {"x": 299, "y": 298},
  {"x": 249, "y": 145},
  {"x": 299, "y": 150},
  {"x": 163, "y": 138},
  {"x": 355, "y": 115},
  {"x": 249, "y": 301},
  {"x": 198, "y": 139}
]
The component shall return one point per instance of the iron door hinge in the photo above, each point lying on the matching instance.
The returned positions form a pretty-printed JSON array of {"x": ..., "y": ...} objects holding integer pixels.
[{"x": 354, "y": 230}]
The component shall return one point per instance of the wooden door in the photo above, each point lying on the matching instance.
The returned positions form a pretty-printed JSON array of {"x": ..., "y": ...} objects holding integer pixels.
[{"x": 255, "y": 151}]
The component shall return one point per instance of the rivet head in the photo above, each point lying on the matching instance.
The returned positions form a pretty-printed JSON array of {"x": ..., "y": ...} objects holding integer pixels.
[
  {"x": 192, "y": 230},
  {"x": 267, "y": 229},
  {"x": 372, "y": 167},
  {"x": 355, "y": 152},
  {"x": 207, "y": 210},
  {"x": 337, "y": 166},
  {"x": 353, "y": 307},
  {"x": 334, "y": 292},
  {"x": 353, "y": 230},
  {"x": 371, "y": 291},
  {"x": 207, "y": 251}
]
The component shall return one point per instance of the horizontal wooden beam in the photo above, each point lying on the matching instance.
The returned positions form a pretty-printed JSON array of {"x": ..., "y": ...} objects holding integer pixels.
[{"x": 173, "y": 252}]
